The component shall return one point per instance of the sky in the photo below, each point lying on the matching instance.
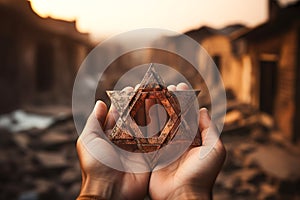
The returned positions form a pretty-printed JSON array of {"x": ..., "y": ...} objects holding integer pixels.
[{"x": 103, "y": 18}]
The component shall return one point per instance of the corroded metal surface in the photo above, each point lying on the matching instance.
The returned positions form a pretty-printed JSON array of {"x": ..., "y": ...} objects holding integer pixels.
[{"x": 128, "y": 135}]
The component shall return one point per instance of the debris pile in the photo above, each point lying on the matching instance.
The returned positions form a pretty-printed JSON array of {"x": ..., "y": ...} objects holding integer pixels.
[
  {"x": 39, "y": 162},
  {"x": 260, "y": 163},
  {"x": 42, "y": 163}
]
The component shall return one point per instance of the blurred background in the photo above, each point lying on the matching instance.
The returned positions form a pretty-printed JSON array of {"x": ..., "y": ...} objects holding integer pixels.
[{"x": 255, "y": 45}]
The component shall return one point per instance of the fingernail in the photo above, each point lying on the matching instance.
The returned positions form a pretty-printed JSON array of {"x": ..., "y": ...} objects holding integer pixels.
[
  {"x": 137, "y": 86},
  {"x": 204, "y": 109},
  {"x": 182, "y": 86},
  {"x": 171, "y": 87},
  {"x": 96, "y": 104}
]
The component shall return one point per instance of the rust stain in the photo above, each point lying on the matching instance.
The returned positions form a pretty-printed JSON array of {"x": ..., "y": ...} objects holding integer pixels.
[{"x": 127, "y": 135}]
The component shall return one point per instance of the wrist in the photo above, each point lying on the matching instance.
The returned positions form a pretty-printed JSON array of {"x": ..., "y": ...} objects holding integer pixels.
[
  {"x": 190, "y": 193},
  {"x": 97, "y": 188}
]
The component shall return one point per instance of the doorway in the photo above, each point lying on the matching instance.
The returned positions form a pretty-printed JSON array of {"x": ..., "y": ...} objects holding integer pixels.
[
  {"x": 268, "y": 86},
  {"x": 44, "y": 68}
]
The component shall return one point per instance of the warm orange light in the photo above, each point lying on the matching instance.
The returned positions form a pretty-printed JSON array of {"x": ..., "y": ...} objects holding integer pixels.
[{"x": 105, "y": 17}]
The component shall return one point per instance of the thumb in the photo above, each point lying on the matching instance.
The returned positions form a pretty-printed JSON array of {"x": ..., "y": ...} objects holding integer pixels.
[
  {"x": 204, "y": 119},
  {"x": 95, "y": 121},
  {"x": 209, "y": 133},
  {"x": 100, "y": 111}
]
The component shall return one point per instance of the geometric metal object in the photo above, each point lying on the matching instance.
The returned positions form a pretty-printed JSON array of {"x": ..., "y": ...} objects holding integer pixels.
[{"x": 128, "y": 135}]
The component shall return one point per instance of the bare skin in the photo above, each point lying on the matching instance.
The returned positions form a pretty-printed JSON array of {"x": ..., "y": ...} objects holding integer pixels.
[
  {"x": 189, "y": 177},
  {"x": 190, "y": 174},
  {"x": 99, "y": 179}
]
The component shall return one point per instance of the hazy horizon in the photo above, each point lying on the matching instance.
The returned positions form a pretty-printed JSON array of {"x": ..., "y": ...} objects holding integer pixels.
[{"x": 105, "y": 18}]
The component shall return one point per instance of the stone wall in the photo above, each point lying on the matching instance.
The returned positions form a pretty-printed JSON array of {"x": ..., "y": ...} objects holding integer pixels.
[
  {"x": 39, "y": 57},
  {"x": 285, "y": 101},
  {"x": 279, "y": 48},
  {"x": 230, "y": 67}
]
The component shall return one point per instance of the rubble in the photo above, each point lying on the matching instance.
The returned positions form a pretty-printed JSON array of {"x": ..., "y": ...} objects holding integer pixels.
[
  {"x": 242, "y": 118},
  {"x": 260, "y": 164},
  {"x": 40, "y": 162},
  {"x": 22, "y": 140},
  {"x": 51, "y": 160},
  {"x": 267, "y": 192},
  {"x": 34, "y": 117},
  {"x": 53, "y": 138},
  {"x": 70, "y": 176},
  {"x": 233, "y": 116},
  {"x": 19, "y": 121},
  {"x": 277, "y": 162}
]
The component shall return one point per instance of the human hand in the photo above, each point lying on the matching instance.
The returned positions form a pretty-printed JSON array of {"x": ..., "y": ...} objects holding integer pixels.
[
  {"x": 183, "y": 177},
  {"x": 98, "y": 179},
  {"x": 191, "y": 176}
]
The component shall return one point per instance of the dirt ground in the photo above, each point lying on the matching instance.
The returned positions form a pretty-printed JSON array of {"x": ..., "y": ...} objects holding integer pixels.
[{"x": 43, "y": 164}]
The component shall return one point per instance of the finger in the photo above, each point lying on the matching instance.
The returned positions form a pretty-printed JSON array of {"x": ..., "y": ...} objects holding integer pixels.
[
  {"x": 190, "y": 115},
  {"x": 100, "y": 110},
  {"x": 171, "y": 87},
  {"x": 94, "y": 124},
  {"x": 182, "y": 86},
  {"x": 91, "y": 142},
  {"x": 136, "y": 87},
  {"x": 204, "y": 119},
  {"x": 209, "y": 132},
  {"x": 128, "y": 89},
  {"x": 113, "y": 114},
  {"x": 111, "y": 118},
  {"x": 209, "y": 135}
]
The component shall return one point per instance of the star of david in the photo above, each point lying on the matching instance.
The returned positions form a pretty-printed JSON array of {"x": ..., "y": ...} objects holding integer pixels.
[{"x": 126, "y": 132}]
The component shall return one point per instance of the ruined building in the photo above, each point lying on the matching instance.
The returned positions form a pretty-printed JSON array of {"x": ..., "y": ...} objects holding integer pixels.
[
  {"x": 272, "y": 50},
  {"x": 261, "y": 66},
  {"x": 39, "y": 57},
  {"x": 218, "y": 44}
]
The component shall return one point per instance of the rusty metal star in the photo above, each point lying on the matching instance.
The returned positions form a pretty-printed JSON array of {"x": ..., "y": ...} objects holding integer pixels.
[{"x": 128, "y": 135}]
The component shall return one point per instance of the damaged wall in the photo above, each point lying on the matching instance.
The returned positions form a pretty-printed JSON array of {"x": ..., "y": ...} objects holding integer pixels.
[
  {"x": 273, "y": 76},
  {"x": 39, "y": 56}
]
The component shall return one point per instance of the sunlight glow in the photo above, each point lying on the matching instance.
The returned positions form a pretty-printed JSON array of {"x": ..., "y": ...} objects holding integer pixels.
[{"x": 106, "y": 17}]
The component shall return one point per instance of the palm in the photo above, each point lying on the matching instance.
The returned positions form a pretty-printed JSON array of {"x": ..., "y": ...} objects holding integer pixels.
[
  {"x": 189, "y": 170},
  {"x": 92, "y": 149},
  {"x": 198, "y": 173},
  {"x": 122, "y": 181}
]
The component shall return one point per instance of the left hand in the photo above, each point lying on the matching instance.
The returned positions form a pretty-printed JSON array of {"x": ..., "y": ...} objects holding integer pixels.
[{"x": 97, "y": 178}]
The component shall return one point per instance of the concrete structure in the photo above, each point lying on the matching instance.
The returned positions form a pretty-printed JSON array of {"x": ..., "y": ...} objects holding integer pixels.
[
  {"x": 274, "y": 52},
  {"x": 261, "y": 66},
  {"x": 39, "y": 57},
  {"x": 217, "y": 43}
]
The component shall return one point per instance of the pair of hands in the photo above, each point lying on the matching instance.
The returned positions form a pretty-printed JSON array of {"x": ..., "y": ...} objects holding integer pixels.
[{"x": 189, "y": 177}]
